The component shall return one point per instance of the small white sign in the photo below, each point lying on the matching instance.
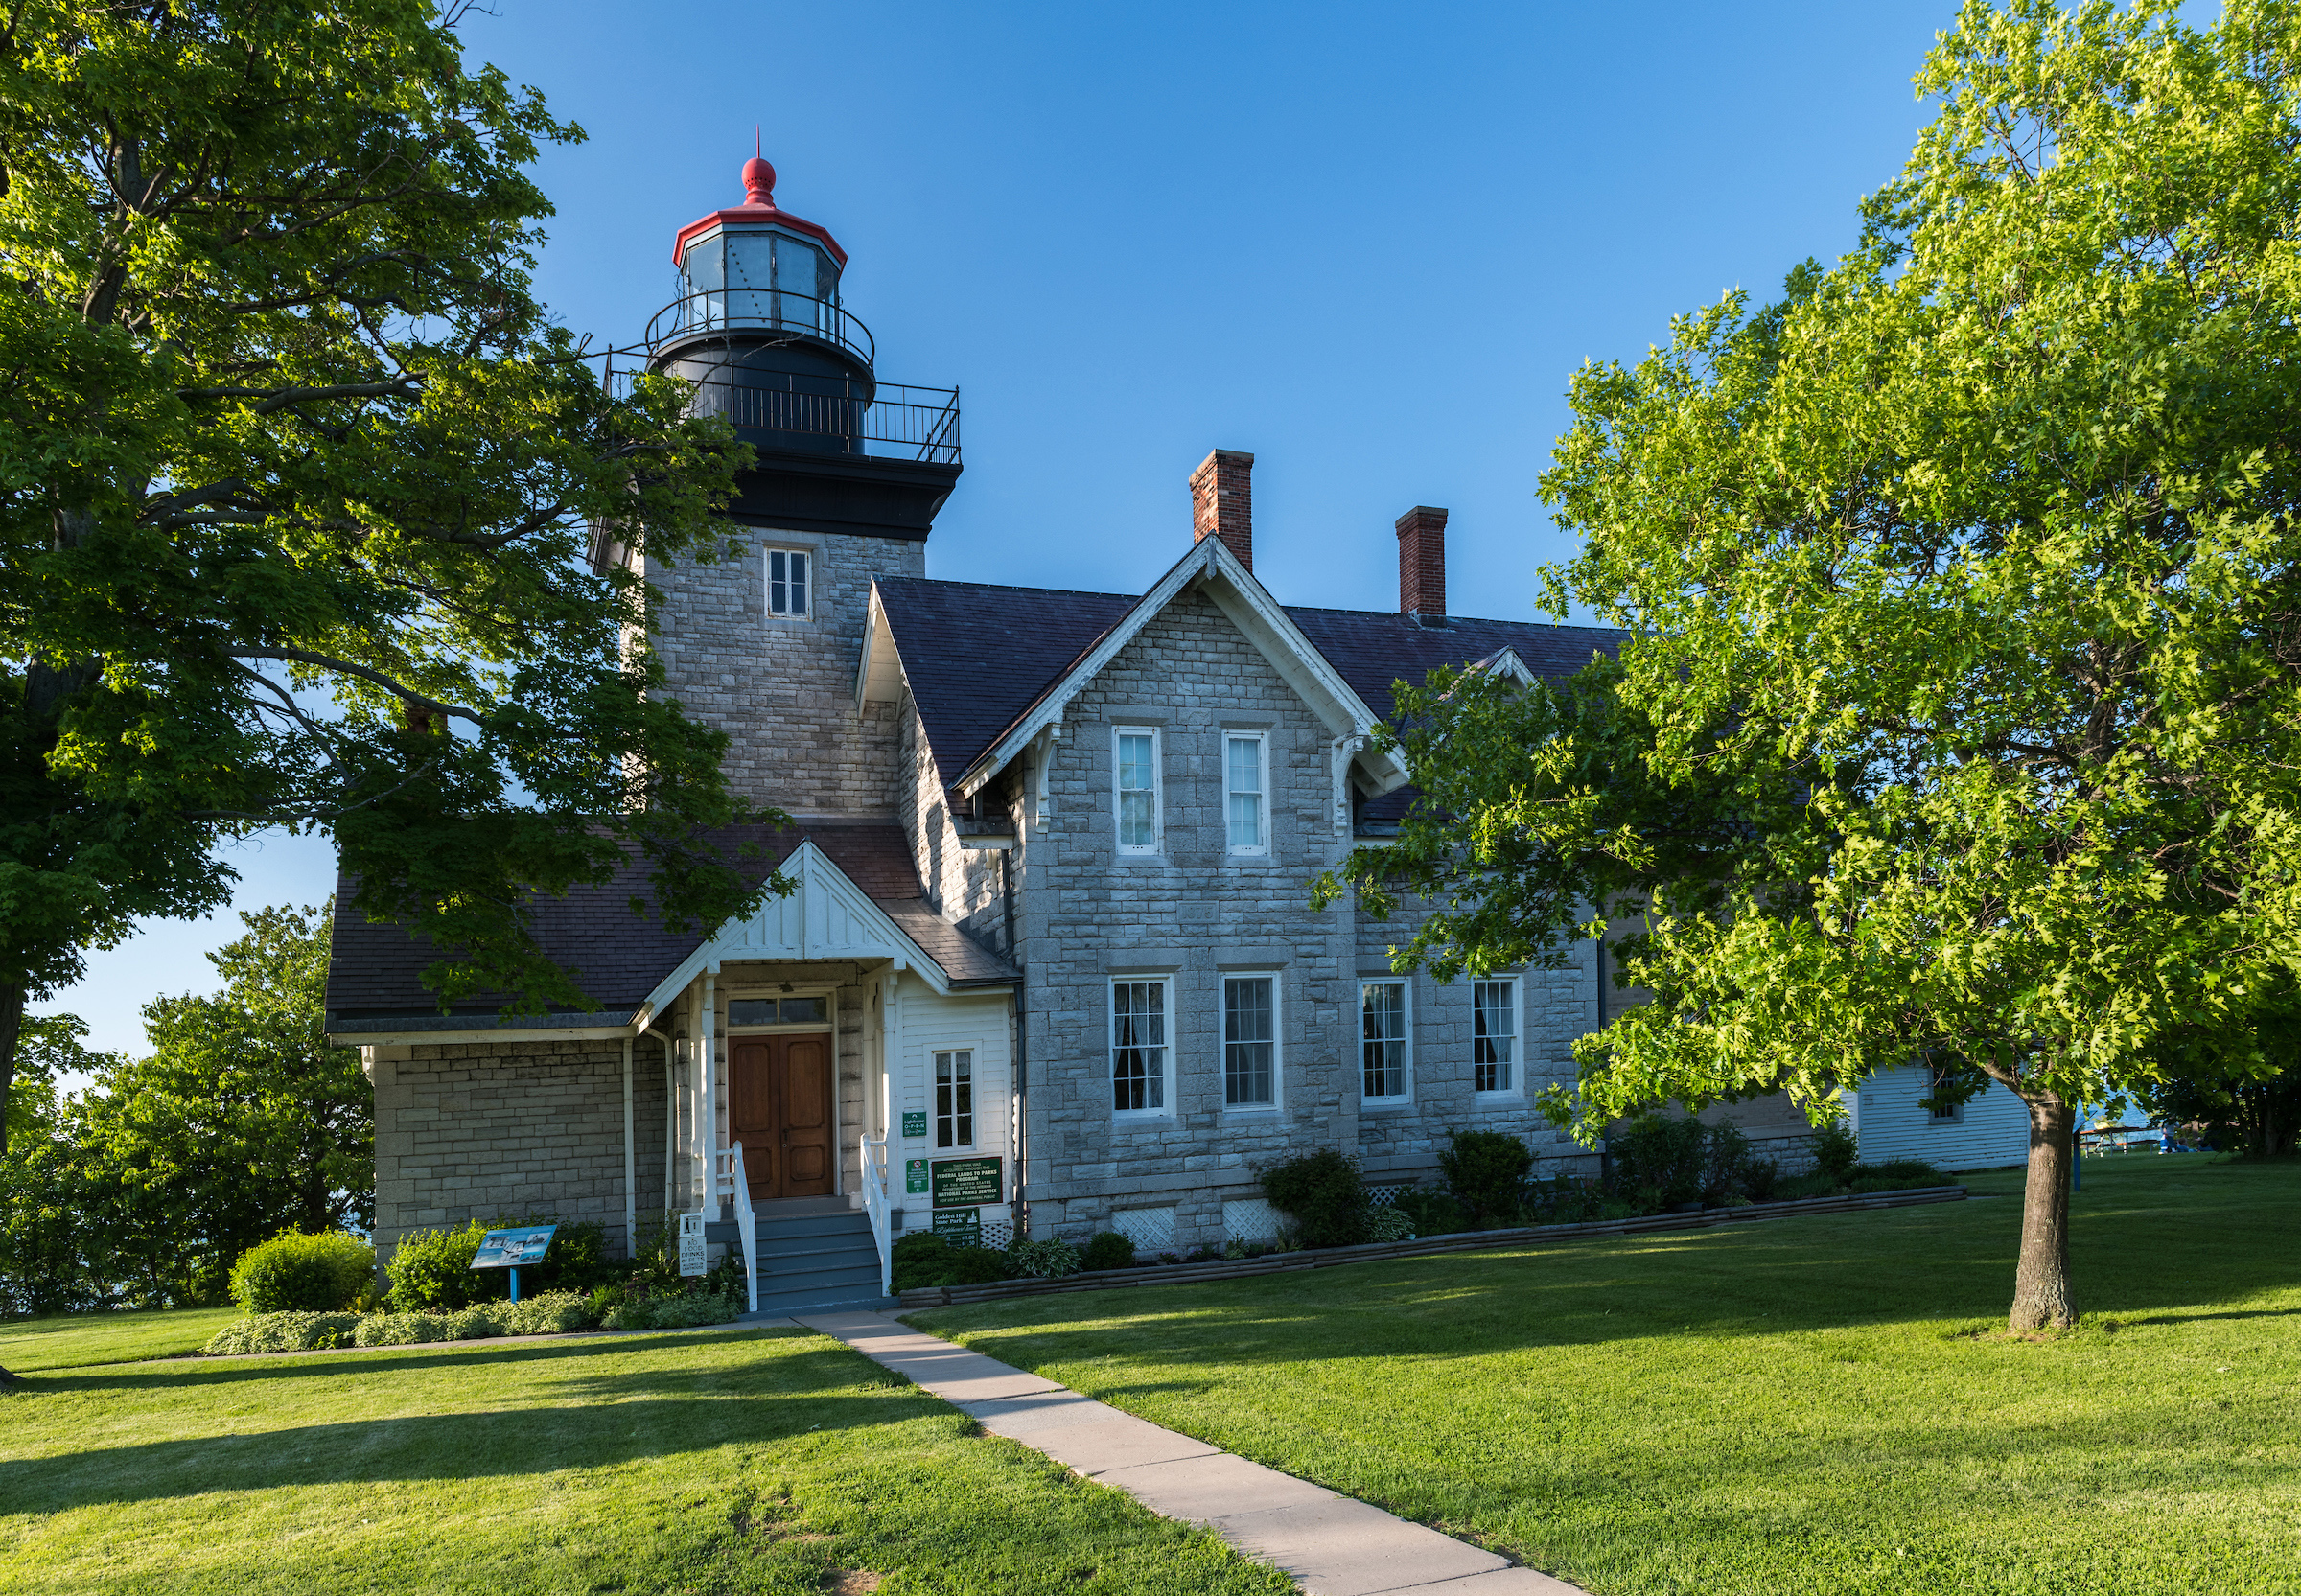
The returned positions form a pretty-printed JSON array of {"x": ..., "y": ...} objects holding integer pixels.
[{"x": 690, "y": 1245}]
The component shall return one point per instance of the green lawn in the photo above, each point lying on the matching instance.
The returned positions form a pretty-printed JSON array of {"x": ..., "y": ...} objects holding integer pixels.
[
  {"x": 78, "y": 1340},
  {"x": 1813, "y": 1405},
  {"x": 727, "y": 1461}
]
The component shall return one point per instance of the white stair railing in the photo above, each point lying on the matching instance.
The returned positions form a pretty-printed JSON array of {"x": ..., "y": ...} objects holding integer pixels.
[
  {"x": 729, "y": 1183},
  {"x": 874, "y": 1204}
]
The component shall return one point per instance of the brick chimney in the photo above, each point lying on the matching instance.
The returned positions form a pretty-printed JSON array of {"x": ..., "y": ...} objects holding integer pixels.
[
  {"x": 1222, "y": 502},
  {"x": 1422, "y": 562}
]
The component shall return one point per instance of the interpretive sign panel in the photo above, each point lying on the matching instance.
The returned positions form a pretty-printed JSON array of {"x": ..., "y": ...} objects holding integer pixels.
[
  {"x": 692, "y": 1257},
  {"x": 961, "y": 1226},
  {"x": 915, "y": 1176},
  {"x": 513, "y": 1249},
  {"x": 914, "y": 1122},
  {"x": 966, "y": 1182}
]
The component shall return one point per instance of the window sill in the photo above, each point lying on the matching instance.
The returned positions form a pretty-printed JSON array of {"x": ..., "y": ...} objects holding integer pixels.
[
  {"x": 1385, "y": 1105},
  {"x": 1504, "y": 1096}
]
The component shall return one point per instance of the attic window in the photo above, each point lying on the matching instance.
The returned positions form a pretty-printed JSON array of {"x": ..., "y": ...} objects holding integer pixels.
[{"x": 787, "y": 582}]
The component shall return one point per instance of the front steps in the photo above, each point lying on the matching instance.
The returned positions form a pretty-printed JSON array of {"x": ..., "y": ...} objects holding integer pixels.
[{"x": 814, "y": 1252}]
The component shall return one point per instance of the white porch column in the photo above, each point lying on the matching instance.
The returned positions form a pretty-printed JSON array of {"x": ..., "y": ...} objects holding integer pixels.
[{"x": 706, "y": 1083}]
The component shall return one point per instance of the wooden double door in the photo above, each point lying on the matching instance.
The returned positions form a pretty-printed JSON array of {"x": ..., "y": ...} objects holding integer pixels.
[{"x": 779, "y": 1107}]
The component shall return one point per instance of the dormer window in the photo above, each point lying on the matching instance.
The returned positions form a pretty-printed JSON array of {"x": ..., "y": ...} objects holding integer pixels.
[{"x": 787, "y": 582}]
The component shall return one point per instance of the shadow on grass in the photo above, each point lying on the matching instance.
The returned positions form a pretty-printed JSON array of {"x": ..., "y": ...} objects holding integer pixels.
[{"x": 177, "y": 1372}]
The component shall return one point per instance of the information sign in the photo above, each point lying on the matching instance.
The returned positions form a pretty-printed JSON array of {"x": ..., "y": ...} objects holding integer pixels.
[
  {"x": 962, "y": 1226},
  {"x": 915, "y": 1176},
  {"x": 915, "y": 1122},
  {"x": 691, "y": 1259},
  {"x": 513, "y": 1249},
  {"x": 966, "y": 1182}
]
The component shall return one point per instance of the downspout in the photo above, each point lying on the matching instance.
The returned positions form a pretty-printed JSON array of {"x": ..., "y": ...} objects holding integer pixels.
[
  {"x": 1022, "y": 1055},
  {"x": 630, "y": 1165}
]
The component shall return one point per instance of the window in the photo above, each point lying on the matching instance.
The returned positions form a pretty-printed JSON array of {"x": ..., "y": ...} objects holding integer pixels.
[
  {"x": 787, "y": 582},
  {"x": 1937, "y": 1080},
  {"x": 1138, "y": 790},
  {"x": 1243, "y": 767},
  {"x": 955, "y": 1098},
  {"x": 1250, "y": 1042},
  {"x": 1138, "y": 1047},
  {"x": 1383, "y": 1048},
  {"x": 769, "y": 1011},
  {"x": 1493, "y": 1035}
]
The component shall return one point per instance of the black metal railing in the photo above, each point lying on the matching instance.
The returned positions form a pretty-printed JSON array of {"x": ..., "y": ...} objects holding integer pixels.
[
  {"x": 835, "y": 415},
  {"x": 759, "y": 310}
]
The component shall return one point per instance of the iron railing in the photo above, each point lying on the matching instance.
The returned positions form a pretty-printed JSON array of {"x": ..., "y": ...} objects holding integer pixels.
[
  {"x": 758, "y": 310},
  {"x": 889, "y": 420}
]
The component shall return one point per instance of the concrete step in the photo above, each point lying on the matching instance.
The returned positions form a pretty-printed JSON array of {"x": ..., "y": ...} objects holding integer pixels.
[
  {"x": 820, "y": 1224},
  {"x": 818, "y": 1248},
  {"x": 777, "y": 1303}
]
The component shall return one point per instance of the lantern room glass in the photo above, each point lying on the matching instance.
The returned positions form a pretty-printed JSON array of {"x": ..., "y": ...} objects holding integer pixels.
[{"x": 753, "y": 275}]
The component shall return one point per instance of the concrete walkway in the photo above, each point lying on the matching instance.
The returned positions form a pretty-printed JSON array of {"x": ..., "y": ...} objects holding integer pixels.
[{"x": 1331, "y": 1545}]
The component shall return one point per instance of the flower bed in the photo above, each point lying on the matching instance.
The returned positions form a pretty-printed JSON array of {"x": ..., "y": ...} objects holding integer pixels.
[{"x": 547, "y": 1314}]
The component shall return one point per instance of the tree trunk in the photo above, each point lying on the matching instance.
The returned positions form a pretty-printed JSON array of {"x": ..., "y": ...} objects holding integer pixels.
[
  {"x": 11, "y": 1028},
  {"x": 2041, "y": 1294}
]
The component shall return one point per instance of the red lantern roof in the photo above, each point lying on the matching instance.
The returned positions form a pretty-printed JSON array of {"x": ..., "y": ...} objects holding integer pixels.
[{"x": 759, "y": 206}]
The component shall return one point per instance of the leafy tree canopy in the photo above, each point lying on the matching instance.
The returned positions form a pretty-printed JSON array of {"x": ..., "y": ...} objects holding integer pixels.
[
  {"x": 1957, "y": 715},
  {"x": 298, "y": 488}
]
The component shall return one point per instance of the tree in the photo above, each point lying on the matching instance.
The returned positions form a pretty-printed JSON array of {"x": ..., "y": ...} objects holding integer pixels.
[
  {"x": 1957, "y": 715},
  {"x": 298, "y": 490},
  {"x": 2214, "y": 1084}
]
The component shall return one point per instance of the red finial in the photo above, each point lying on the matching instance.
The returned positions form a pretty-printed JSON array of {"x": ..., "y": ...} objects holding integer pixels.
[{"x": 758, "y": 177}]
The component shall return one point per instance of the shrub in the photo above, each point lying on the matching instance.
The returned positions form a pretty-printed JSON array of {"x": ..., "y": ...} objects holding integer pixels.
[
  {"x": 294, "y": 1273},
  {"x": 1048, "y": 1259},
  {"x": 577, "y": 1260},
  {"x": 1660, "y": 1161},
  {"x": 1765, "y": 1175},
  {"x": 919, "y": 1258},
  {"x": 1725, "y": 1163},
  {"x": 1486, "y": 1173},
  {"x": 1323, "y": 1195},
  {"x": 1836, "y": 1151},
  {"x": 1819, "y": 1183},
  {"x": 1561, "y": 1200},
  {"x": 1432, "y": 1213},
  {"x": 1388, "y": 1224},
  {"x": 431, "y": 1270},
  {"x": 1895, "y": 1174},
  {"x": 475, "y": 1324},
  {"x": 1108, "y": 1251},
  {"x": 400, "y": 1330},
  {"x": 697, "y": 1308},
  {"x": 285, "y": 1333}
]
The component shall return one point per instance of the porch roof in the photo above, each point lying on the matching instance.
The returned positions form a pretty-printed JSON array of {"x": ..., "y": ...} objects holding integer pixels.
[{"x": 375, "y": 972}]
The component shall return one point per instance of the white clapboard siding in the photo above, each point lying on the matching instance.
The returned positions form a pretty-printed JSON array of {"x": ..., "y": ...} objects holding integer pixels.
[
  {"x": 1893, "y": 1121},
  {"x": 927, "y": 1025}
]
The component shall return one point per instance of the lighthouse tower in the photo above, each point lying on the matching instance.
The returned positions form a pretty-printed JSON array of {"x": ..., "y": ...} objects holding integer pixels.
[{"x": 849, "y": 472}]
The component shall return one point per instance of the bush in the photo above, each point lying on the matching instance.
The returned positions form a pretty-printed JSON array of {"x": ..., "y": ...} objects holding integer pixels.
[
  {"x": 1819, "y": 1183},
  {"x": 926, "y": 1259},
  {"x": 696, "y": 1308},
  {"x": 1836, "y": 1151},
  {"x": 431, "y": 1271},
  {"x": 1765, "y": 1175},
  {"x": 294, "y": 1273},
  {"x": 1561, "y": 1200},
  {"x": 1895, "y": 1174},
  {"x": 1432, "y": 1213},
  {"x": 1660, "y": 1161},
  {"x": 400, "y": 1330},
  {"x": 1726, "y": 1165},
  {"x": 475, "y": 1324},
  {"x": 1486, "y": 1173},
  {"x": 285, "y": 1333},
  {"x": 1387, "y": 1224},
  {"x": 1323, "y": 1195},
  {"x": 1108, "y": 1251},
  {"x": 1048, "y": 1259}
]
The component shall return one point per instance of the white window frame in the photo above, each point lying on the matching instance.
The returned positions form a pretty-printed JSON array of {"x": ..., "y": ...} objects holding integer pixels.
[
  {"x": 808, "y": 582},
  {"x": 1277, "y": 1041},
  {"x": 1262, "y": 763},
  {"x": 1516, "y": 1063},
  {"x": 1933, "y": 1083},
  {"x": 1405, "y": 1039},
  {"x": 1118, "y": 796},
  {"x": 1161, "y": 1083},
  {"x": 974, "y": 1109}
]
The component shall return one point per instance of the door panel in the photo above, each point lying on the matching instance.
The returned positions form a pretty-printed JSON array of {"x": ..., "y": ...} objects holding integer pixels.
[
  {"x": 751, "y": 1117},
  {"x": 805, "y": 1078}
]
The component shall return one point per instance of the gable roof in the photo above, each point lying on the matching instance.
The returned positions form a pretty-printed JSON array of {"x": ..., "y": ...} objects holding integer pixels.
[
  {"x": 979, "y": 658},
  {"x": 620, "y": 958}
]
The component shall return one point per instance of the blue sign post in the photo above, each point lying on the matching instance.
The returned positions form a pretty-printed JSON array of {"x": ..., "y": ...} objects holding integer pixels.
[{"x": 508, "y": 1249}]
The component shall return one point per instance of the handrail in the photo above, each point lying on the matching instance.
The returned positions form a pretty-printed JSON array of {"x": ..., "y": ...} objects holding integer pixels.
[
  {"x": 730, "y": 1181},
  {"x": 874, "y": 1205},
  {"x": 778, "y": 310}
]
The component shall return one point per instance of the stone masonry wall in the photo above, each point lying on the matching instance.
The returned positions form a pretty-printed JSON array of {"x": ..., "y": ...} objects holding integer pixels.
[
  {"x": 962, "y": 883},
  {"x": 479, "y": 1130},
  {"x": 783, "y": 689}
]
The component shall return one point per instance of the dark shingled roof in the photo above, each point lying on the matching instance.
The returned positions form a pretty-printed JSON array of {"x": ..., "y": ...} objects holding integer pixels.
[
  {"x": 977, "y": 655},
  {"x": 617, "y": 957}
]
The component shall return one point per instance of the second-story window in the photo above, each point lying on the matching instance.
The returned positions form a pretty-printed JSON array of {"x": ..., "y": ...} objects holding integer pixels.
[
  {"x": 1137, "y": 758},
  {"x": 1243, "y": 782},
  {"x": 955, "y": 1098},
  {"x": 788, "y": 582}
]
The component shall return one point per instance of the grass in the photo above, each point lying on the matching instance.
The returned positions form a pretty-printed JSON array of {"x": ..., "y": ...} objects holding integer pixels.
[
  {"x": 762, "y": 1460},
  {"x": 1816, "y": 1406},
  {"x": 81, "y": 1340}
]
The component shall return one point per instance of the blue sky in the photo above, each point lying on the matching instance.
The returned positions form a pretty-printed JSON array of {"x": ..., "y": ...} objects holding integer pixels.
[{"x": 1367, "y": 244}]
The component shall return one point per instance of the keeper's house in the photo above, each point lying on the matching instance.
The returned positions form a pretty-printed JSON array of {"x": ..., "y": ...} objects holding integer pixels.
[{"x": 1049, "y": 951}]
